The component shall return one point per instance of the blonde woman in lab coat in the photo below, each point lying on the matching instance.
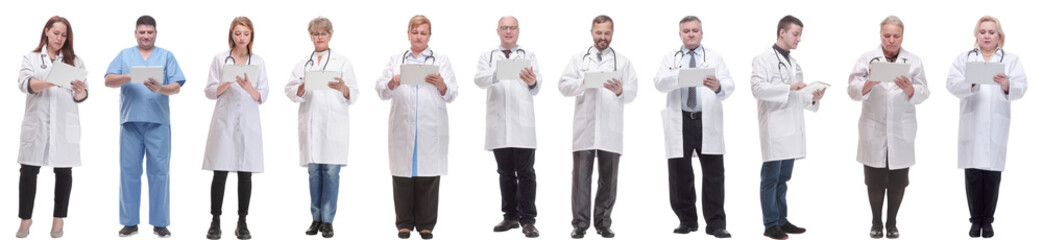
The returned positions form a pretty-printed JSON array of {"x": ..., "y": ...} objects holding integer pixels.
[
  {"x": 985, "y": 120},
  {"x": 234, "y": 144},
  {"x": 418, "y": 131},
  {"x": 51, "y": 126},
  {"x": 887, "y": 127},
  {"x": 323, "y": 125}
]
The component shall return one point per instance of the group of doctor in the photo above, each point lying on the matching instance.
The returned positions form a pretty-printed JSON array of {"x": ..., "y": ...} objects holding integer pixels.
[{"x": 418, "y": 123}]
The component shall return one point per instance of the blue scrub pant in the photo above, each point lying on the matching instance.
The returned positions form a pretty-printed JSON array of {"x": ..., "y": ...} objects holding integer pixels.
[{"x": 152, "y": 141}]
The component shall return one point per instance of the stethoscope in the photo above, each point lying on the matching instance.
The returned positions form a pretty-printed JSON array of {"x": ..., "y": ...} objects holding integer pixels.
[
  {"x": 492, "y": 52},
  {"x": 877, "y": 59},
  {"x": 249, "y": 58},
  {"x": 311, "y": 62},
  {"x": 431, "y": 55},
  {"x": 43, "y": 61},
  {"x": 978, "y": 52},
  {"x": 783, "y": 69},
  {"x": 613, "y": 57},
  {"x": 679, "y": 55}
]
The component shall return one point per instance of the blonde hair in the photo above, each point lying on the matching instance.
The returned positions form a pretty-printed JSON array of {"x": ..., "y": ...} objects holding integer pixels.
[
  {"x": 999, "y": 29},
  {"x": 417, "y": 21},
  {"x": 893, "y": 20},
  {"x": 321, "y": 23}
]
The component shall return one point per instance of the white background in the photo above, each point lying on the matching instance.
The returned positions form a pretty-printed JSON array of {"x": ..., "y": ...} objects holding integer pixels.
[{"x": 827, "y": 194}]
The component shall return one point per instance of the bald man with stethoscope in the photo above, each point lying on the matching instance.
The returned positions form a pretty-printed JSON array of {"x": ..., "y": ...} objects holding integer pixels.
[{"x": 689, "y": 131}]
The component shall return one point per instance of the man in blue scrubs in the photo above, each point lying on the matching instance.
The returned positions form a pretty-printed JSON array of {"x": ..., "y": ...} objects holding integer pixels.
[{"x": 145, "y": 128}]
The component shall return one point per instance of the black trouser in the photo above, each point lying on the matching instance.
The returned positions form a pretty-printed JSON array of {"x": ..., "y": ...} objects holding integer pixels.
[
  {"x": 517, "y": 183},
  {"x": 27, "y": 191},
  {"x": 608, "y": 174},
  {"x": 416, "y": 202},
  {"x": 682, "y": 179},
  {"x": 217, "y": 192},
  {"x": 983, "y": 189}
]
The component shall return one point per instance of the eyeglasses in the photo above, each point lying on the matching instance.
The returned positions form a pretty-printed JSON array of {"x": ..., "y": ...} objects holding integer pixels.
[
  {"x": 322, "y": 34},
  {"x": 509, "y": 28}
]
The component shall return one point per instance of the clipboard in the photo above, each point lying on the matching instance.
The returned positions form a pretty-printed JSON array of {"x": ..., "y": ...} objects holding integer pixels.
[
  {"x": 319, "y": 80},
  {"x": 511, "y": 68},
  {"x": 141, "y": 74},
  {"x": 598, "y": 79},
  {"x": 815, "y": 86},
  {"x": 887, "y": 72},
  {"x": 414, "y": 74},
  {"x": 982, "y": 72},
  {"x": 230, "y": 71},
  {"x": 693, "y": 77}
]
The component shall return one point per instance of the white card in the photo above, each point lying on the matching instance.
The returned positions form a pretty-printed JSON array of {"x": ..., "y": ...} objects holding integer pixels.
[
  {"x": 230, "y": 71},
  {"x": 511, "y": 69},
  {"x": 63, "y": 74},
  {"x": 982, "y": 72},
  {"x": 414, "y": 74},
  {"x": 815, "y": 86},
  {"x": 141, "y": 74},
  {"x": 887, "y": 72},
  {"x": 598, "y": 79},
  {"x": 319, "y": 80},
  {"x": 693, "y": 77}
]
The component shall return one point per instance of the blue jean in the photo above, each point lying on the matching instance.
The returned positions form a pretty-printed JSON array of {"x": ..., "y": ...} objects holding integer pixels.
[
  {"x": 150, "y": 141},
  {"x": 324, "y": 183},
  {"x": 774, "y": 175}
]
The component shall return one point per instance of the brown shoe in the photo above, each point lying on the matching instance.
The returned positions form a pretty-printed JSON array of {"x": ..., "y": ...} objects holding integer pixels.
[
  {"x": 506, "y": 225},
  {"x": 530, "y": 231}
]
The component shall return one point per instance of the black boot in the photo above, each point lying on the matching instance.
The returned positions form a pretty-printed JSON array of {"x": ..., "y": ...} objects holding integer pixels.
[
  {"x": 215, "y": 229},
  {"x": 241, "y": 231}
]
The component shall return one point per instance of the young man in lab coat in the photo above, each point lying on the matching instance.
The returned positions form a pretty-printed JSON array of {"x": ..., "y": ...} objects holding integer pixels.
[
  {"x": 776, "y": 83},
  {"x": 510, "y": 130},
  {"x": 687, "y": 130},
  {"x": 145, "y": 128},
  {"x": 597, "y": 129}
]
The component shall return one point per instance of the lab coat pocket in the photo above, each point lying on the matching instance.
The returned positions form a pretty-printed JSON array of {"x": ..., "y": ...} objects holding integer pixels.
[
  {"x": 338, "y": 128},
  {"x": 909, "y": 128},
  {"x": 72, "y": 128},
  {"x": 780, "y": 124},
  {"x": 672, "y": 131},
  {"x": 967, "y": 127}
]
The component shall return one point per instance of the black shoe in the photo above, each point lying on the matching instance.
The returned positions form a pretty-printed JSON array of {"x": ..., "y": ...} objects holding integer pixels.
[
  {"x": 682, "y": 229},
  {"x": 774, "y": 232},
  {"x": 215, "y": 230},
  {"x": 530, "y": 231},
  {"x": 578, "y": 232},
  {"x": 326, "y": 229},
  {"x": 403, "y": 235},
  {"x": 719, "y": 233},
  {"x": 241, "y": 232},
  {"x": 505, "y": 225},
  {"x": 128, "y": 231},
  {"x": 975, "y": 230},
  {"x": 986, "y": 231},
  {"x": 606, "y": 232},
  {"x": 876, "y": 231},
  {"x": 427, "y": 235},
  {"x": 789, "y": 228},
  {"x": 892, "y": 232},
  {"x": 162, "y": 232},
  {"x": 313, "y": 229}
]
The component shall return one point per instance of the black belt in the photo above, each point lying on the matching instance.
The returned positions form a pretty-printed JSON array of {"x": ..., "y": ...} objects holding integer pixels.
[{"x": 692, "y": 115}]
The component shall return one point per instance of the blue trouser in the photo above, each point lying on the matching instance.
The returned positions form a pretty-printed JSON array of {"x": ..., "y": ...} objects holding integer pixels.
[
  {"x": 152, "y": 141},
  {"x": 324, "y": 183},
  {"x": 774, "y": 175}
]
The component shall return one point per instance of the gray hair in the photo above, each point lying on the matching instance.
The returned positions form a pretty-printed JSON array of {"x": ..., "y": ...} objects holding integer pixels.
[
  {"x": 690, "y": 18},
  {"x": 893, "y": 20}
]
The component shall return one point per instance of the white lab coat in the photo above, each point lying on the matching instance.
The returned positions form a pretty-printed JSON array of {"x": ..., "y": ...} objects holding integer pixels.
[
  {"x": 598, "y": 118},
  {"x": 322, "y": 119},
  {"x": 418, "y": 113},
  {"x": 51, "y": 125},
  {"x": 780, "y": 112},
  {"x": 985, "y": 111},
  {"x": 887, "y": 127},
  {"x": 510, "y": 120},
  {"x": 713, "y": 110},
  {"x": 234, "y": 143}
]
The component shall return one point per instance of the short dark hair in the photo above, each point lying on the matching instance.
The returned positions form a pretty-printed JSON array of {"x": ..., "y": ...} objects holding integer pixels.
[
  {"x": 603, "y": 19},
  {"x": 690, "y": 18},
  {"x": 785, "y": 22},
  {"x": 146, "y": 20}
]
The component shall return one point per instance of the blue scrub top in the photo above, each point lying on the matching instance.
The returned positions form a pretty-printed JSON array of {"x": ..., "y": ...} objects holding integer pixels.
[{"x": 137, "y": 103}]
